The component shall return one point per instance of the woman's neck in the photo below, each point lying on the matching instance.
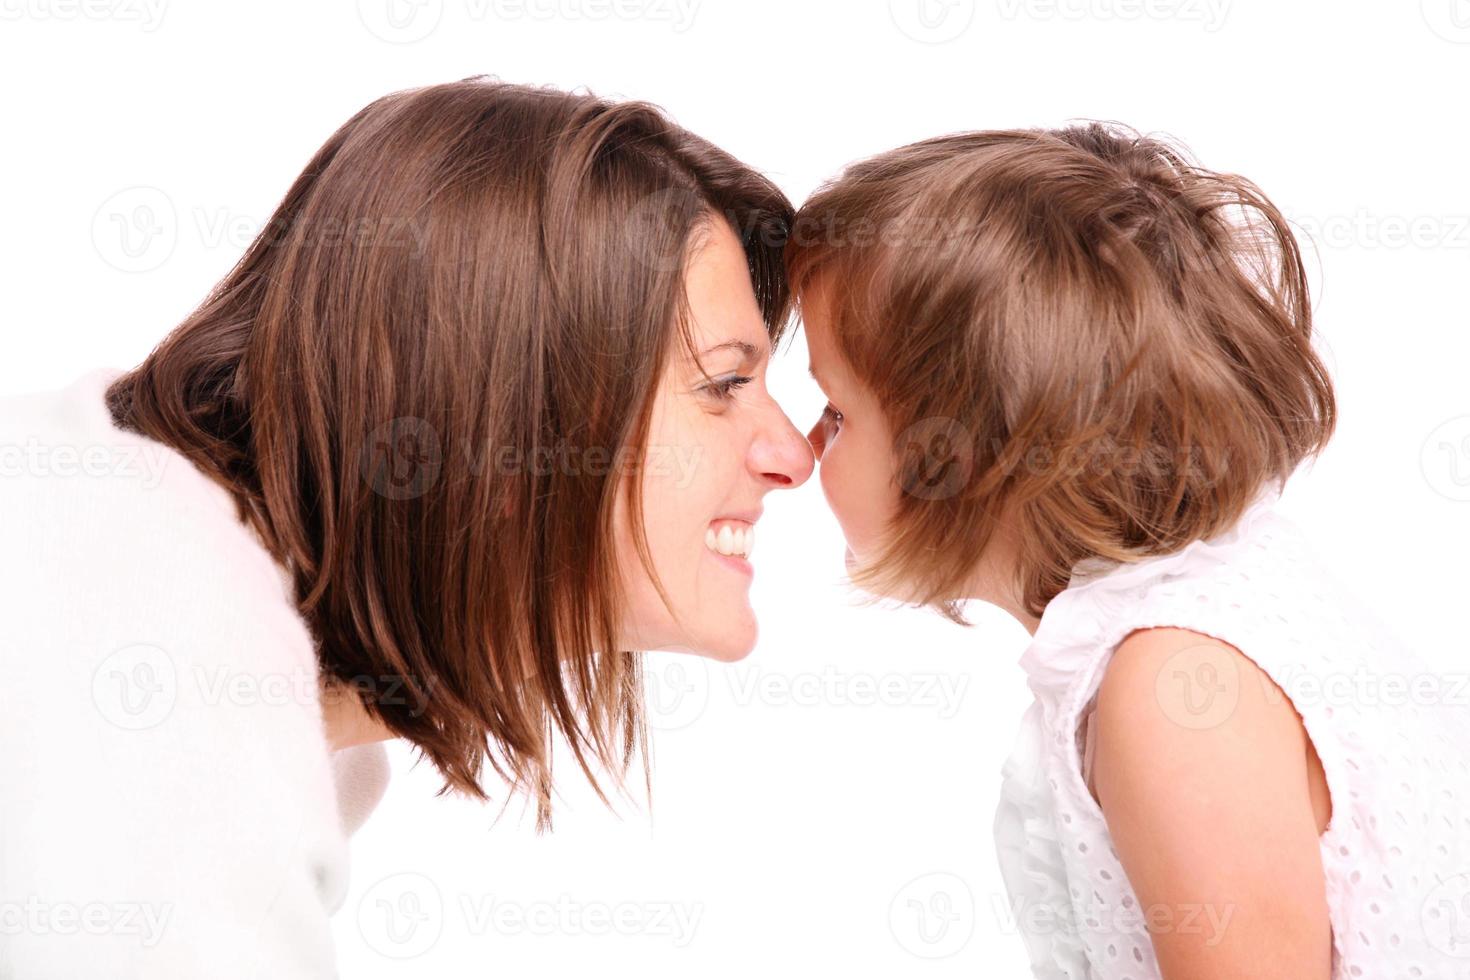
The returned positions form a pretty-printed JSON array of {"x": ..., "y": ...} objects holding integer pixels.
[{"x": 345, "y": 720}]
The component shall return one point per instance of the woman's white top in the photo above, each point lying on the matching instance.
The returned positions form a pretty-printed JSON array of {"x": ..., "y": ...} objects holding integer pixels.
[
  {"x": 169, "y": 804},
  {"x": 1393, "y": 737}
]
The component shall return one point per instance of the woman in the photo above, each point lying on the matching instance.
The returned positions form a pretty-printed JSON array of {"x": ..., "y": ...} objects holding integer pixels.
[{"x": 481, "y": 410}]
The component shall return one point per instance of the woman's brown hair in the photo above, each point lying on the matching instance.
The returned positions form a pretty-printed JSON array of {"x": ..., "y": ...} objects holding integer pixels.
[
  {"x": 427, "y": 381},
  {"x": 1079, "y": 332}
]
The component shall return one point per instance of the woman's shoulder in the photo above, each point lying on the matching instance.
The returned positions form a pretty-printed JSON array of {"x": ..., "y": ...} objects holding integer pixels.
[
  {"x": 96, "y": 515},
  {"x": 166, "y": 733},
  {"x": 63, "y": 446},
  {"x": 117, "y": 546},
  {"x": 139, "y": 609}
]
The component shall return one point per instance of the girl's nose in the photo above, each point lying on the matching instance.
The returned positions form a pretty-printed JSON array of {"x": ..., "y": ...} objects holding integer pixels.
[{"x": 817, "y": 438}]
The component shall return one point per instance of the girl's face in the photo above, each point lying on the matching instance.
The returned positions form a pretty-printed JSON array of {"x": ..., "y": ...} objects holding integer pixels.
[
  {"x": 856, "y": 447},
  {"x": 715, "y": 449},
  {"x": 852, "y": 439}
]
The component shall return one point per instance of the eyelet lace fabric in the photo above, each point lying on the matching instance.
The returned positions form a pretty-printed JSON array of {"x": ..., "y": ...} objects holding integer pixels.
[{"x": 1393, "y": 738}]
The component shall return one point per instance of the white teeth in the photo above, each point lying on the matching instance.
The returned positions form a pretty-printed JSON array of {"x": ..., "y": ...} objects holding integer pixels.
[{"x": 731, "y": 539}]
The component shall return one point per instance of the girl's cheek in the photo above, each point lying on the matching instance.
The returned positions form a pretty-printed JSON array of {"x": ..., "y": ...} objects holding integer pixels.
[
  {"x": 843, "y": 499},
  {"x": 830, "y": 473}
]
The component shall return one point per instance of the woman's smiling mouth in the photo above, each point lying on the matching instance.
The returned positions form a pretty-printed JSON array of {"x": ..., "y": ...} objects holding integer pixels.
[{"x": 730, "y": 538}]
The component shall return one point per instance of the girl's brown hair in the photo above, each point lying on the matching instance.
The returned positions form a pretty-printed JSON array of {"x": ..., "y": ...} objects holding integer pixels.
[
  {"x": 426, "y": 383},
  {"x": 1077, "y": 331}
]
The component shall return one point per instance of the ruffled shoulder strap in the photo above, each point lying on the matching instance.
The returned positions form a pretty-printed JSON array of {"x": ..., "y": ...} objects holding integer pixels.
[{"x": 1105, "y": 601}]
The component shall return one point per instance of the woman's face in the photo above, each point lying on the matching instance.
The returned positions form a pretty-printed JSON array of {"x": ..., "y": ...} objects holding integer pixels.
[
  {"x": 715, "y": 449},
  {"x": 852, "y": 439}
]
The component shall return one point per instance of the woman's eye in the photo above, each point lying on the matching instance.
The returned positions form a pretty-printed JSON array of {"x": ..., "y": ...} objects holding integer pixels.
[{"x": 724, "y": 388}]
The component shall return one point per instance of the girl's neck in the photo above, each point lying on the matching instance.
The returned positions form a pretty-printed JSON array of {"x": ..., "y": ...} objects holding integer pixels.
[{"x": 1017, "y": 610}]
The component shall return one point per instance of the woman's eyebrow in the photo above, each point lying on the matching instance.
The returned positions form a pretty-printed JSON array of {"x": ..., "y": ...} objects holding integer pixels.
[{"x": 745, "y": 348}]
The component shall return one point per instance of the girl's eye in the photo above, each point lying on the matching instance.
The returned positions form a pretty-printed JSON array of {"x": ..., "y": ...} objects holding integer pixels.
[
  {"x": 724, "y": 388},
  {"x": 831, "y": 415}
]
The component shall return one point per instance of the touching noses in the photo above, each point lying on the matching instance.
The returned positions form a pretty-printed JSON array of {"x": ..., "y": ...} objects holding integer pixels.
[{"x": 780, "y": 456}]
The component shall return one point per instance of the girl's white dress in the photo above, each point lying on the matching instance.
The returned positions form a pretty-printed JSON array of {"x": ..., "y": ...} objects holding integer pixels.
[{"x": 1393, "y": 737}]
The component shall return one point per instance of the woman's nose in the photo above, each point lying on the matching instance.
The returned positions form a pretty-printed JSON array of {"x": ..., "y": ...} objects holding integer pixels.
[{"x": 781, "y": 456}]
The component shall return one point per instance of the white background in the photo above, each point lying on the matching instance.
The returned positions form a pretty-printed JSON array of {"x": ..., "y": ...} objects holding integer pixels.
[{"x": 799, "y": 826}]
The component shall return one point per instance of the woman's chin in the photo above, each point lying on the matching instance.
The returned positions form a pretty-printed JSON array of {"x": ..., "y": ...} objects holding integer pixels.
[
  {"x": 728, "y": 645},
  {"x": 731, "y": 644}
]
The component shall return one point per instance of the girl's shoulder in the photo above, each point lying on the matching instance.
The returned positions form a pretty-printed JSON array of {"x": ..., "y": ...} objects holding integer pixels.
[
  {"x": 1391, "y": 736},
  {"x": 1258, "y": 587}
]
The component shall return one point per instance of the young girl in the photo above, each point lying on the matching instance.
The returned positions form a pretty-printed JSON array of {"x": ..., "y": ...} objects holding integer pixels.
[{"x": 1068, "y": 373}]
